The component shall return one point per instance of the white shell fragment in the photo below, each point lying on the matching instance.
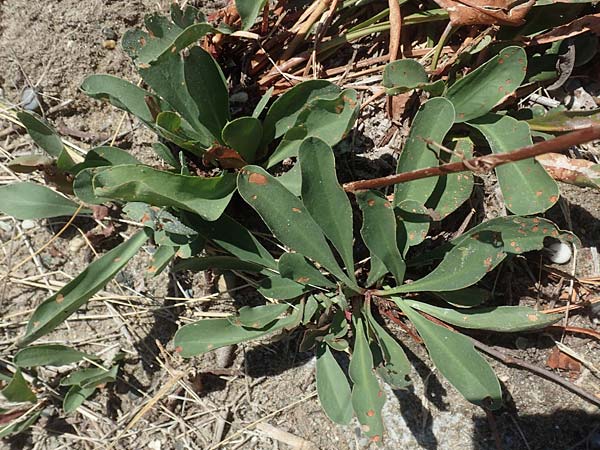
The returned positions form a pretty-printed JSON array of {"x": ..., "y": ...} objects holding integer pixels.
[{"x": 559, "y": 252}]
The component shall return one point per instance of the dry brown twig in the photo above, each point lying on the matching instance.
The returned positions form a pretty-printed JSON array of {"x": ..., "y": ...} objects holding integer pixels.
[{"x": 482, "y": 163}]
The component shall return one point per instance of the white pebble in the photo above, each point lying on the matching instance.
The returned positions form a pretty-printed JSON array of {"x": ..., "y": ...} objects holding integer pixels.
[
  {"x": 559, "y": 252},
  {"x": 28, "y": 224}
]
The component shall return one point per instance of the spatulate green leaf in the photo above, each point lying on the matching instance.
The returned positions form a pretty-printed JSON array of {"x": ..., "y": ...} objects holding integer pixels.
[
  {"x": 478, "y": 92},
  {"x": 206, "y": 197},
  {"x": 48, "y": 355},
  {"x": 57, "y": 308},
  {"x": 429, "y": 127},
  {"x": 405, "y": 75},
  {"x": 526, "y": 186},
  {"x": 259, "y": 316},
  {"x": 379, "y": 231},
  {"x": 456, "y": 358},
  {"x": 26, "y": 200},
  {"x": 287, "y": 218},
  {"x": 332, "y": 387},
  {"x": 42, "y": 133},
  {"x": 295, "y": 267},
  {"x": 18, "y": 390},
  {"x": 325, "y": 199}
]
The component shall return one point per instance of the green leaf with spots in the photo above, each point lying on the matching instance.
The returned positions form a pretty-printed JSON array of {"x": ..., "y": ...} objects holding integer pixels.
[
  {"x": 367, "y": 396},
  {"x": 509, "y": 319},
  {"x": 332, "y": 387},
  {"x": 327, "y": 119},
  {"x": 57, "y": 308},
  {"x": 207, "y": 197},
  {"x": 243, "y": 135},
  {"x": 18, "y": 390},
  {"x": 259, "y": 316},
  {"x": 49, "y": 355},
  {"x": 452, "y": 190},
  {"x": 42, "y": 133},
  {"x": 379, "y": 231},
  {"x": 433, "y": 120},
  {"x": 279, "y": 288},
  {"x": 480, "y": 250},
  {"x": 26, "y": 200},
  {"x": 405, "y": 75},
  {"x": 412, "y": 222},
  {"x": 395, "y": 367},
  {"x": 455, "y": 357},
  {"x": 295, "y": 267},
  {"x": 287, "y": 218},
  {"x": 478, "y": 92},
  {"x": 526, "y": 186},
  {"x": 325, "y": 199},
  {"x": 209, "y": 334}
]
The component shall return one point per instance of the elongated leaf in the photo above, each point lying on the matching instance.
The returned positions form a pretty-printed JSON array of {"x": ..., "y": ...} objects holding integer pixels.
[
  {"x": 122, "y": 94},
  {"x": 210, "y": 334},
  {"x": 235, "y": 239},
  {"x": 562, "y": 121},
  {"x": 163, "y": 255},
  {"x": 262, "y": 103},
  {"x": 465, "y": 298},
  {"x": 395, "y": 369},
  {"x": 217, "y": 262},
  {"x": 279, "y": 288},
  {"x": 478, "y": 92},
  {"x": 57, "y": 308},
  {"x": 295, "y": 267},
  {"x": 28, "y": 200},
  {"x": 367, "y": 396},
  {"x": 194, "y": 86},
  {"x": 432, "y": 122},
  {"x": 327, "y": 119},
  {"x": 259, "y": 316},
  {"x": 480, "y": 250},
  {"x": 249, "y": 11},
  {"x": 526, "y": 186},
  {"x": 165, "y": 35},
  {"x": 509, "y": 319},
  {"x": 207, "y": 197},
  {"x": 91, "y": 377},
  {"x": 452, "y": 190},
  {"x": 412, "y": 222},
  {"x": 19, "y": 424},
  {"x": 325, "y": 199},
  {"x": 18, "y": 389},
  {"x": 105, "y": 156},
  {"x": 284, "y": 112},
  {"x": 42, "y": 133},
  {"x": 332, "y": 387},
  {"x": 454, "y": 356},
  {"x": 243, "y": 135},
  {"x": 287, "y": 218},
  {"x": 75, "y": 397},
  {"x": 405, "y": 75},
  {"x": 48, "y": 355},
  {"x": 379, "y": 231}
]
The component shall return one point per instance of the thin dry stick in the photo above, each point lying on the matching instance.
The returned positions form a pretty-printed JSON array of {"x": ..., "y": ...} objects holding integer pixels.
[
  {"x": 482, "y": 163},
  {"x": 322, "y": 6}
]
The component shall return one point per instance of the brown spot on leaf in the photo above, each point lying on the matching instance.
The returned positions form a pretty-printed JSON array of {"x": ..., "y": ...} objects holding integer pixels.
[
  {"x": 553, "y": 198},
  {"x": 152, "y": 269},
  {"x": 174, "y": 49},
  {"x": 117, "y": 259},
  {"x": 371, "y": 202},
  {"x": 518, "y": 249},
  {"x": 535, "y": 229},
  {"x": 365, "y": 428},
  {"x": 376, "y": 438},
  {"x": 513, "y": 243},
  {"x": 387, "y": 205},
  {"x": 303, "y": 280},
  {"x": 60, "y": 298},
  {"x": 297, "y": 210},
  {"x": 36, "y": 323},
  {"x": 257, "y": 178},
  {"x": 178, "y": 349},
  {"x": 532, "y": 317},
  {"x": 370, "y": 413},
  {"x": 488, "y": 263},
  {"x": 500, "y": 61},
  {"x": 538, "y": 193}
]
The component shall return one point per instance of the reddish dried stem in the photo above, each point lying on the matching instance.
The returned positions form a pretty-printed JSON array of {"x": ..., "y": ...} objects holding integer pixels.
[{"x": 482, "y": 163}]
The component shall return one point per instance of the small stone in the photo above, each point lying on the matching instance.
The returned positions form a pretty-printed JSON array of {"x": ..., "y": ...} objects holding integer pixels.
[
  {"x": 28, "y": 224},
  {"x": 76, "y": 244},
  {"x": 154, "y": 445},
  {"x": 30, "y": 100},
  {"x": 109, "y": 44}
]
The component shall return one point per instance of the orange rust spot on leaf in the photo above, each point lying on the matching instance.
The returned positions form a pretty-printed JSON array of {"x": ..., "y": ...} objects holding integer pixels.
[
  {"x": 532, "y": 317},
  {"x": 387, "y": 205},
  {"x": 303, "y": 280},
  {"x": 173, "y": 49},
  {"x": 145, "y": 218},
  {"x": 488, "y": 263},
  {"x": 371, "y": 202},
  {"x": 538, "y": 193},
  {"x": 518, "y": 249},
  {"x": 254, "y": 197},
  {"x": 255, "y": 325},
  {"x": 553, "y": 198},
  {"x": 365, "y": 428},
  {"x": 500, "y": 61},
  {"x": 544, "y": 230},
  {"x": 117, "y": 259},
  {"x": 370, "y": 413},
  {"x": 535, "y": 229},
  {"x": 257, "y": 178},
  {"x": 297, "y": 210},
  {"x": 152, "y": 269},
  {"x": 178, "y": 349},
  {"x": 350, "y": 101},
  {"x": 376, "y": 438},
  {"x": 60, "y": 298},
  {"x": 339, "y": 109},
  {"x": 380, "y": 394},
  {"x": 210, "y": 346},
  {"x": 513, "y": 243}
]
